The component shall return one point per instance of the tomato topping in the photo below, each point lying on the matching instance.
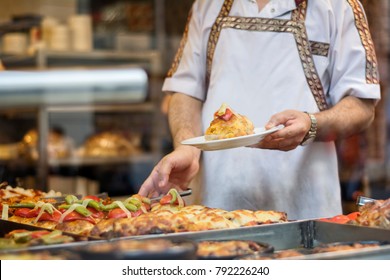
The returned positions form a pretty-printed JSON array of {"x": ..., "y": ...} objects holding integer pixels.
[
  {"x": 353, "y": 215},
  {"x": 95, "y": 213},
  {"x": 166, "y": 199},
  {"x": 26, "y": 212},
  {"x": 226, "y": 116},
  {"x": 33, "y": 213},
  {"x": 119, "y": 213},
  {"x": 340, "y": 219},
  {"x": 93, "y": 197},
  {"x": 55, "y": 217},
  {"x": 137, "y": 213},
  {"x": 116, "y": 213},
  {"x": 147, "y": 206},
  {"x": 39, "y": 233},
  {"x": 73, "y": 216}
]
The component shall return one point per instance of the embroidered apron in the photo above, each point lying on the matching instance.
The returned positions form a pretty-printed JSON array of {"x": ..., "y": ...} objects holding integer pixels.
[{"x": 303, "y": 182}]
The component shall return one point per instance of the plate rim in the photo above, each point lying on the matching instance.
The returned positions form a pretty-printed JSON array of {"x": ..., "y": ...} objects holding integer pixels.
[{"x": 201, "y": 144}]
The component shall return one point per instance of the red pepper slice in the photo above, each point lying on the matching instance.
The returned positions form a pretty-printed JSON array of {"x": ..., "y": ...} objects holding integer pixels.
[
  {"x": 39, "y": 233},
  {"x": 93, "y": 197},
  {"x": 26, "y": 212},
  {"x": 116, "y": 213},
  {"x": 353, "y": 216},
  {"x": 226, "y": 116},
  {"x": 340, "y": 219},
  {"x": 95, "y": 213},
  {"x": 137, "y": 213},
  {"x": 55, "y": 217},
  {"x": 166, "y": 199}
]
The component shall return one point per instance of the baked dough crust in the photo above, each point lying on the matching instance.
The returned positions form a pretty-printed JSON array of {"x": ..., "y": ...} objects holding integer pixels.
[{"x": 228, "y": 124}]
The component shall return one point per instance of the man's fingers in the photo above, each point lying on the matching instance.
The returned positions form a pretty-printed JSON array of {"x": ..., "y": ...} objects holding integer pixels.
[
  {"x": 156, "y": 182},
  {"x": 148, "y": 186}
]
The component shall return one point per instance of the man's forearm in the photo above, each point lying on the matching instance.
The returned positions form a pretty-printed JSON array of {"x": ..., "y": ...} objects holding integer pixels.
[
  {"x": 184, "y": 117},
  {"x": 350, "y": 116}
]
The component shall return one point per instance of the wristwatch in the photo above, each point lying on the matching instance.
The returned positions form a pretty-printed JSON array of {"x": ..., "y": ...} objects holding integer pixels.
[{"x": 312, "y": 133}]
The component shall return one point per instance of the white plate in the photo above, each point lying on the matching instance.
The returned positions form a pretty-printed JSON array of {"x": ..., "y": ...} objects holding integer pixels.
[{"x": 242, "y": 141}]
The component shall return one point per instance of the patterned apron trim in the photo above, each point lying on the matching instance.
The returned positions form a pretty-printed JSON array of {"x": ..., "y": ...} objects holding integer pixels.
[
  {"x": 179, "y": 53},
  {"x": 214, "y": 36},
  {"x": 318, "y": 48},
  {"x": 299, "y": 14},
  {"x": 372, "y": 72}
]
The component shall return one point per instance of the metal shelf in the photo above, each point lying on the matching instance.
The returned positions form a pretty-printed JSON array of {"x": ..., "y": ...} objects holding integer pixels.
[
  {"x": 151, "y": 60},
  {"x": 145, "y": 107}
]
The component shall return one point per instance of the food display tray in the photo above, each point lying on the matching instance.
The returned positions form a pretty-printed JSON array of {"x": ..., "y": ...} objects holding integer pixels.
[
  {"x": 8, "y": 226},
  {"x": 284, "y": 236},
  {"x": 302, "y": 234}
]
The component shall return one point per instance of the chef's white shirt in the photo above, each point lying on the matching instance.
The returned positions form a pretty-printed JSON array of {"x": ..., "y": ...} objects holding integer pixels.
[{"x": 259, "y": 74}]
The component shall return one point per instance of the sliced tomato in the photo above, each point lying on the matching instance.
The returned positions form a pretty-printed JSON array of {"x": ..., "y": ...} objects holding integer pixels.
[
  {"x": 95, "y": 213},
  {"x": 39, "y": 233},
  {"x": 340, "y": 219},
  {"x": 26, "y": 212},
  {"x": 147, "y": 206},
  {"x": 73, "y": 216},
  {"x": 166, "y": 199},
  {"x": 93, "y": 197},
  {"x": 55, "y": 217},
  {"x": 137, "y": 213},
  {"x": 227, "y": 116},
  {"x": 353, "y": 216},
  {"x": 116, "y": 213}
]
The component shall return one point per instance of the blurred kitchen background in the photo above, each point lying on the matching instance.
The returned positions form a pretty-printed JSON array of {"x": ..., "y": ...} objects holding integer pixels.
[{"x": 117, "y": 145}]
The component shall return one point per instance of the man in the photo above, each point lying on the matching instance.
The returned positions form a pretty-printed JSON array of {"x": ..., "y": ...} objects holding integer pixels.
[{"x": 307, "y": 64}]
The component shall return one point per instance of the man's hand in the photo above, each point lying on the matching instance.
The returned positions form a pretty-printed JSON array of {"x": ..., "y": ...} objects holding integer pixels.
[
  {"x": 296, "y": 125},
  {"x": 175, "y": 170},
  {"x": 350, "y": 116}
]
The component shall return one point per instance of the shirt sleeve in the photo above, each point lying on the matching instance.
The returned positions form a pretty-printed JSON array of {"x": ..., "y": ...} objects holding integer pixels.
[
  {"x": 353, "y": 63},
  {"x": 187, "y": 74}
]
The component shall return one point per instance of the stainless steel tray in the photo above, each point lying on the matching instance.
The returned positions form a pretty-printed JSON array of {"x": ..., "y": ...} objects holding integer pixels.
[
  {"x": 301, "y": 234},
  {"x": 291, "y": 235}
]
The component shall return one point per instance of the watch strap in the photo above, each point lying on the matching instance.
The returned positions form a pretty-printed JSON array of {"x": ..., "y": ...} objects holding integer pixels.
[{"x": 312, "y": 133}]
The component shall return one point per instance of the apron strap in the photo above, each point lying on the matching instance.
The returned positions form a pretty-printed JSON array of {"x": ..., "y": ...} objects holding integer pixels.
[
  {"x": 179, "y": 53},
  {"x": 299, "y": 14},
  {"x": 214, "y": 36}
]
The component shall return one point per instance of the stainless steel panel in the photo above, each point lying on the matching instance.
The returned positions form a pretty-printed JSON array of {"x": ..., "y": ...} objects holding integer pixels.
[
  {"x": 300, "y": 234},
  {"x": 88, "y": 86}
]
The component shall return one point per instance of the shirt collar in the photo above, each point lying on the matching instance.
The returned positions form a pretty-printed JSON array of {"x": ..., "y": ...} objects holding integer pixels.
[
  {"x": 297, "y": 2},
  {"x": 277, "y": 8}
]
